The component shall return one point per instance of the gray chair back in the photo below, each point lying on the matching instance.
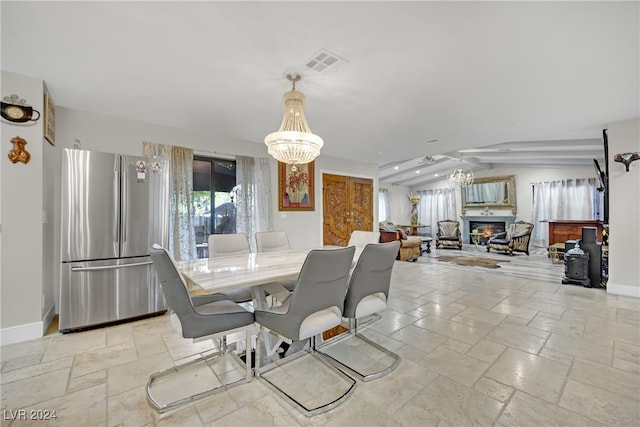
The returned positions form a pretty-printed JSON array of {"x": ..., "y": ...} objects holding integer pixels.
[
  {"x": 194, "y": 324},
  {"x": 322, "y": 284},
  {"x": 371, "y": 275},
  {"x": 228, "y": 244},
  {"x": 270, "y": 241},
  {"x": 360, "y": 238}
]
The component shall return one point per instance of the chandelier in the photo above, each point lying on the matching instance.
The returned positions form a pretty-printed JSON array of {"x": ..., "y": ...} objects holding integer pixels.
[
  {"x": 293, "y": 143},
  {"x": 460, "y": 178}
]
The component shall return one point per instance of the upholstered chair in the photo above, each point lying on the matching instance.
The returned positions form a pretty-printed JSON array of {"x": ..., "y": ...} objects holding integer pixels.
[
  {"x": 515, "y": 239},
  {"x": 366, "y": 296},
  {"x": 409, "y": 245},
  {"x": 315, "y": 305},
  {"x": 449, "y": 234},
  {"x": 198, "y": 320}
]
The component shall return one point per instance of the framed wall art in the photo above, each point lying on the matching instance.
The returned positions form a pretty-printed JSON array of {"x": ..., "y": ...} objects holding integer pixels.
[
  {"x": 296, "y": 187},
  {"x": 49, "y": 118}
]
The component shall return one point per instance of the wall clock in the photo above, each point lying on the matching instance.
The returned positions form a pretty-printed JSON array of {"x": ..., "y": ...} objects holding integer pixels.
[{"x": 18, "y": 113}]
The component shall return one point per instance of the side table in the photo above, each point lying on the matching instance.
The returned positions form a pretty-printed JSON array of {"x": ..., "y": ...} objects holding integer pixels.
[{"x": 426, "y": 241}]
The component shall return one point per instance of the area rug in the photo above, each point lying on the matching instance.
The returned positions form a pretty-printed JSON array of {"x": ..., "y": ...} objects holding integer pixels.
[{"x": 472, "y": 261}]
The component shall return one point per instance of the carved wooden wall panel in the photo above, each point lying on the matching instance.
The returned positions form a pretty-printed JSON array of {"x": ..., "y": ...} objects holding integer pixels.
[{"x": 347, "y": 205}]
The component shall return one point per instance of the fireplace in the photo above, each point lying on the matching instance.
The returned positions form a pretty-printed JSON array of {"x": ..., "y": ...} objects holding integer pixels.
[
  {"x": 487, "y": 225},
  {"x": 486, "y": 230}
]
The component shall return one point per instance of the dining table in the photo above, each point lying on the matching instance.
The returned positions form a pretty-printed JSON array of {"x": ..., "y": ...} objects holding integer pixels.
[{"x": 263, "y": 272}]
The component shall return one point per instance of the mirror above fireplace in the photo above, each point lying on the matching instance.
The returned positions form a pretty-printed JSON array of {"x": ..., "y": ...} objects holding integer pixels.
[{"x": 495, "y": 192}]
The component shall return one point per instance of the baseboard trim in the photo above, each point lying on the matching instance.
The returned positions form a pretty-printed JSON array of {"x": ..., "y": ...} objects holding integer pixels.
[
  {"x": 16, "y": 334},
  {"x": 624, "y": 290}
]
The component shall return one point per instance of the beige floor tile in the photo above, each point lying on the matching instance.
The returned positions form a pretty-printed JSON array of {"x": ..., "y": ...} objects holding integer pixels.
[
  {"x": 135, "y": 373},
  {"x": 611, "y": 329},
  {"x": 34, "y": 370},
  {"x": 392, "y": 321},
  {"x": 472, "y": 315},
  {"x": 486, "y": 351},
  {"x": 580, "y": 348},
  {"x": 129, "y": 409},
  {"x": 264, "y": 412},
  {"x": 62, "y": 345},
  {"x": 440, "y": 310},
  {"x": 452, "y": 364},
  {"x": 605, "y": 407},
  {"x": 29, "y": 391},
  {"x": 526, "y": 410},
  {"x": 606, "y": 378},
  {"x": 480, "y": 301},
  {"x": 186, "y": 417},
  {"x": 119, "y": 334},
  {"x": 87, "y": 381},
  {"x": 494, "y": 389},
  {"x": 515, "y": 339},
  {"x": 394, "y": 390},
  {"x": 456, "y": 330},
  {"x": 569, "y": 328},
  {"x": 529, "y": 373},
  {"x": 454, "y": 403},
  {"x": 79, "y": 409},
  {"x": 515, "y": 311},
  {"x": 422, "y": 339},
  {"x": 103, "y": 358}
]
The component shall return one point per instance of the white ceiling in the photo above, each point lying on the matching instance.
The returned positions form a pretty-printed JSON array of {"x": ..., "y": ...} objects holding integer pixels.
[{"x": 543, "y": 77}]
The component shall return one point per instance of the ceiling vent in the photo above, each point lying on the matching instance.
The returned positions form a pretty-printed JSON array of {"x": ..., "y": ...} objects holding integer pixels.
[{"x": 324, "y": 60}]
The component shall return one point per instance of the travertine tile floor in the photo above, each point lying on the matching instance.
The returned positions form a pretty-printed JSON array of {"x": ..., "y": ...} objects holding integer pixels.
[{"x": 478, "y": 347}]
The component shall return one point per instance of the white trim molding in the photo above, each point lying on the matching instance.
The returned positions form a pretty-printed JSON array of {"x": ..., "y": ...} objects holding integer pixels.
[
  {"x": 16, "y": 334},
  {"x": 624, "y": 290}
]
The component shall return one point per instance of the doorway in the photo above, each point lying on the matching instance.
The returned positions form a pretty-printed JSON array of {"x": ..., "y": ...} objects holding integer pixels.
[{"x": 347, "y": 205}]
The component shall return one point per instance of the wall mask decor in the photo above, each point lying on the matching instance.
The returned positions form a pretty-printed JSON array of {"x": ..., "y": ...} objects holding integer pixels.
[
  {"x": 16, "y": 109},
  {"x": 19, "y": 153},
  {"x": 626, "y": 158}
]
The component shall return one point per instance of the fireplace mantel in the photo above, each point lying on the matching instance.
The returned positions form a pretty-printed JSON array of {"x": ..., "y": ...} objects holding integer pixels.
[{"x": 466, "y": 219}]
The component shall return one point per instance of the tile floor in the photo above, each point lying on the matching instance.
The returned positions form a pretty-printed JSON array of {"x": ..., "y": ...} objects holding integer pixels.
[{"x": 478, "y": 347}]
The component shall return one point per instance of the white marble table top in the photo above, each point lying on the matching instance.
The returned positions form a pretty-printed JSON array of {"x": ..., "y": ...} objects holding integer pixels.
[{"x": 236, "y": 271}]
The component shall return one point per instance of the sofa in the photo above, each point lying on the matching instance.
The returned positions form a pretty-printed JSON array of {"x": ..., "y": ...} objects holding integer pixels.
[{"x": 409, "y": 245}]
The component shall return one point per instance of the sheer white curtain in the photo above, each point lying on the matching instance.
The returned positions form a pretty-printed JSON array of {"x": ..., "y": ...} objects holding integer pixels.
[
  {"x": 253, "y": 178},
  {"x": 566, "y": 199},
  {"x": 436, "y": 205},
  {"x": 182, "y": 238},
  {"x": 384, "y": 206}
]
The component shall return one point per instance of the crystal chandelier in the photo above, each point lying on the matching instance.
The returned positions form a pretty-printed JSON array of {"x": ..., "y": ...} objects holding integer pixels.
[
  {"x": 460, "y": 178},
  {"x": 293, "y": 143}
]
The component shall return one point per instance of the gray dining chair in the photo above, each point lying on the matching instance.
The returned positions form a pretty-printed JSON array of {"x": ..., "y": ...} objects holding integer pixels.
[
  {"x": 366, "y": 295},
  {"x": 231, "y": 244},
  {"x": 272, "y": 241},
  {"x": 211, "y": 320},
  {"x": 360, "y": 238},
  {"x": 314, "y": 306}
]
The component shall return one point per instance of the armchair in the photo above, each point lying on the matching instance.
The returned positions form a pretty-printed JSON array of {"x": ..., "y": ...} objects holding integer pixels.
[
  {"x": 515, "y": 239},
  {"x": 449, "y": 234},
  {"x": 409, "y": 245}
]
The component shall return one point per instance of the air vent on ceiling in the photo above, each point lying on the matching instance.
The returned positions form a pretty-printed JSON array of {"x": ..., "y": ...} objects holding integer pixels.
[
  {"x": 324, "y": 60},
  {"x": 427, "y": 160}
]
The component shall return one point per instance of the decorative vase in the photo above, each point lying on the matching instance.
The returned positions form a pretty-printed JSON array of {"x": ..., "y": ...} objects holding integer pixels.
[{"x": 414, "y": 210}]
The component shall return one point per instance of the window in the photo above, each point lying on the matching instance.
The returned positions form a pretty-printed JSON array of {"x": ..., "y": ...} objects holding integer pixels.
[{"x": 214, "y": 183}]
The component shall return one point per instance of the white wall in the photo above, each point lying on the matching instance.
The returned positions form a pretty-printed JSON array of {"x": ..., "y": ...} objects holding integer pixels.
[
  {"x": 624, "y": 210},
  {"x": 25, "y": 239},
  {"x": 33, "y": 279},
  {"x": 400, "y": 205}
]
